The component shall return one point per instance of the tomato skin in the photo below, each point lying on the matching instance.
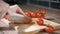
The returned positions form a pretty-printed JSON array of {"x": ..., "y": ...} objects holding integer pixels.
[
  {"x": 49, "y": 29},
  {"x": 32, "y": 14},
  {"x": 27, "y": 14},
  {"x": 39, "y": 15},
  {"x": 43, "y": 16},
  {"x": 37, "y": 11},
  {"x": 43, "y": 11},
  {"x": 26, "y": 21},
  {"x": 40, "y": 22}
]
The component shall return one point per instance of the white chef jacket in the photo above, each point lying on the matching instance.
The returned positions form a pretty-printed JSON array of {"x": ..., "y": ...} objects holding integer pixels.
[{"x": 3, "y": 8}]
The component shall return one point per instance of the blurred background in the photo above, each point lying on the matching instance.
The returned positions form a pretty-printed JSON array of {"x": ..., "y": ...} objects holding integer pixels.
[{"x": 45, "y": 3}]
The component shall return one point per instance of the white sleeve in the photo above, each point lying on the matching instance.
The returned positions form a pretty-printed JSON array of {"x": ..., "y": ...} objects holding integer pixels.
[
  {"x": 12, "y": 10},
  {"x": 3, "y": 8},
  {"x": 4, "y": 23}
]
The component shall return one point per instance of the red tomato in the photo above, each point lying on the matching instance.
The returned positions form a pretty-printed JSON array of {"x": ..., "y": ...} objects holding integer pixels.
[
  {"x": 40, "y": 22},
  {"x": 37, "y": 11},
  {"x": 43, "y": 16},
  {"x": 49, "y": 30},
  {"x": 39, "y": 15},
  {"x": 43, "y": 11},
  {"x": 27, "y": 14},
  {"x": 32, "y": 14},
  {"x": 26, "y": 21},
  {"x": 51, "y": 27}
]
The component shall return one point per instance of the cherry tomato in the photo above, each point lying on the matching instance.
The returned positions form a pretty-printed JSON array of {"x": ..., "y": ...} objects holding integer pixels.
[
  {"x": 43, "y": 16},
  {"x": 40, "y": 22},
  {"x": 37, "y": 11},
  {"x": 43, "y": 11},
  {"x": 26, "y": 21},
  {"x": 27, "y": 14},
  {"x": 39, "y": 15},
  {"x": 49, "y": 29},
  {"x": 32, "y": 14}
]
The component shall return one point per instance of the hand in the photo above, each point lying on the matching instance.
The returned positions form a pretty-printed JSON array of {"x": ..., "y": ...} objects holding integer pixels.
[{"x": 18, "y": 18}]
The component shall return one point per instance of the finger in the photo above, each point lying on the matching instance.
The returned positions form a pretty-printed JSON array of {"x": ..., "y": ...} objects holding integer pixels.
[{"x": 7, "y": 17}]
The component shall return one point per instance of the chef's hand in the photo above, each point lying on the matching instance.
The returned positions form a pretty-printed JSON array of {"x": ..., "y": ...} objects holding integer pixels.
[
  {"x": 20, "y": 11},
  {"x": 14, "y": 16}
]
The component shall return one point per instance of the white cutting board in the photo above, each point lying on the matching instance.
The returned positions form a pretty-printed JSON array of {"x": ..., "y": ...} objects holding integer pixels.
[
  {"x": 33, "y": 29},
  {"x": 48, "y": 22}
]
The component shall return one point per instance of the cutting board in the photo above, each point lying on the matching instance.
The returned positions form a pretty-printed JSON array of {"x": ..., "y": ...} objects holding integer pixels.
[
  {"x": 24, "y": 27},
  {"x": 48, "y": 22}
]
